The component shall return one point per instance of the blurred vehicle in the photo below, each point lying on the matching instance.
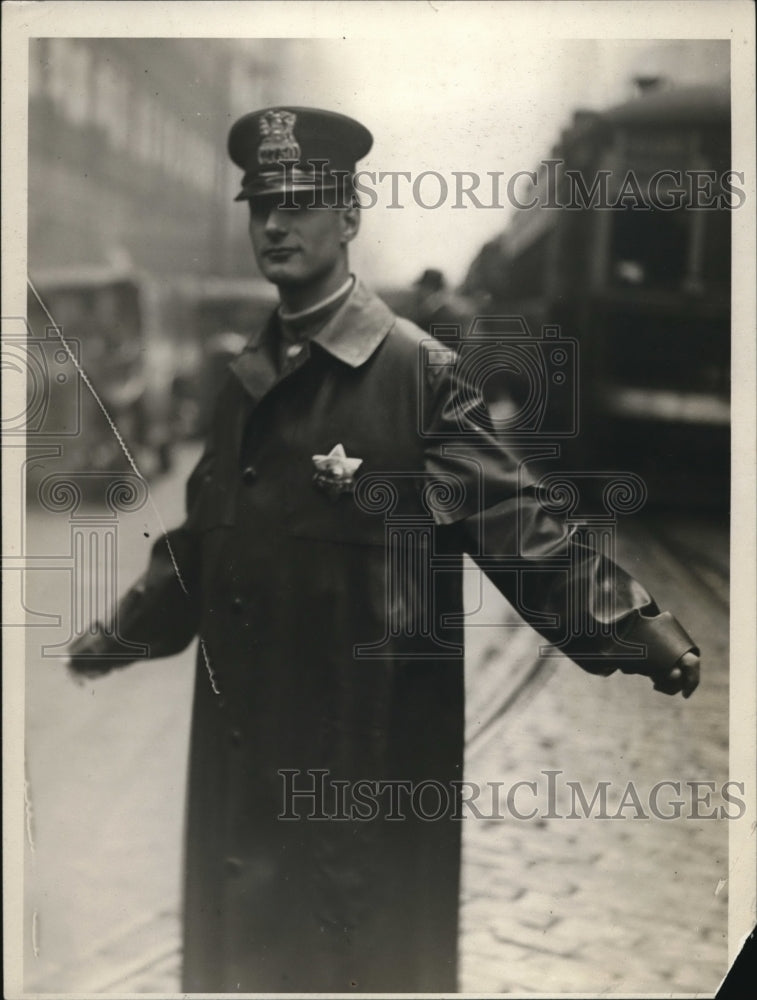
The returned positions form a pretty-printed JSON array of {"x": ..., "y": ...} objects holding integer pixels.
[
  {"x": 216, "y": 317},
  {"x": 109, "y": 337},
  {"x": 642, "y": 282}
]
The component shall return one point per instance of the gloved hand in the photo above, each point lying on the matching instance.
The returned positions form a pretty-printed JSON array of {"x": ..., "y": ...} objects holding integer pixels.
[
  {"x": 88, "y": 656},
  {"x": 80, "y": 671},
  {"x": 682, "y": 676}
]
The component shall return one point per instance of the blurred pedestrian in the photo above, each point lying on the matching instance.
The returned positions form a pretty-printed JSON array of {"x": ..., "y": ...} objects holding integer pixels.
[
  {"x": 433, "y": 305},
  {"x": 330, "y": 660}
]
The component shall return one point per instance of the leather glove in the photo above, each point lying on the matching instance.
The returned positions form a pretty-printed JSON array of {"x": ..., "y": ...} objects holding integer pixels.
[{"x": 683, "y": 676}]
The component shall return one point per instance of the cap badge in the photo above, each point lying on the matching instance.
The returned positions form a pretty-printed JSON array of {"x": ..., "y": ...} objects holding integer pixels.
[{"x": 278, "y": 141}]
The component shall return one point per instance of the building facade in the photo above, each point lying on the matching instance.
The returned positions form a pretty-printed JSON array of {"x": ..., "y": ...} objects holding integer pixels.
[{"x": 127, "y": 161}]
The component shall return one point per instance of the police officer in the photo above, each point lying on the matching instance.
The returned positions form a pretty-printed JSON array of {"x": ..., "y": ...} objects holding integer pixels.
[{"x": 345, "y": 455}]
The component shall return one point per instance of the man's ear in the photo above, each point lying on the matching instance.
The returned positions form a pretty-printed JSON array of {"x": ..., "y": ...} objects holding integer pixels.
[{"x": 350, "y": 223}]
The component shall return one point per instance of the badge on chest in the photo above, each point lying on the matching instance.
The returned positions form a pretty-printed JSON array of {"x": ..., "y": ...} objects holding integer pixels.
[{"x": 335, "y": 472}]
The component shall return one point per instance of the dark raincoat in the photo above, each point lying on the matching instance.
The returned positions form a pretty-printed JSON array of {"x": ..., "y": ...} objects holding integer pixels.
[{"x": 329, "y": 616}]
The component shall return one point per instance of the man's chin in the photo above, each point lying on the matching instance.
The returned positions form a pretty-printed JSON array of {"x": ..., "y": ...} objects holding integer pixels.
[{"x": 281, "y": 273}]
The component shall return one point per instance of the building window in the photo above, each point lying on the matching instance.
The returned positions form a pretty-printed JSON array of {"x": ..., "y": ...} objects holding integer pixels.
[
  {"x": 112, "y": 103},
  {"x": 69, "y": 78}
]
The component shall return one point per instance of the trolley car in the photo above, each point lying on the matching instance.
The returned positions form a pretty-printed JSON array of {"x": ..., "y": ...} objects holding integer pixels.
[
  {"x": 104, "y": 367},
  {"x": 626, "y": 247}
]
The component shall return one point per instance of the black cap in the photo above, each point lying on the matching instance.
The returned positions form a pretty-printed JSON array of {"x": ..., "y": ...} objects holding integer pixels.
[
  {"x": 295, "y": 149},
  {"x": 431, "y": 278}
]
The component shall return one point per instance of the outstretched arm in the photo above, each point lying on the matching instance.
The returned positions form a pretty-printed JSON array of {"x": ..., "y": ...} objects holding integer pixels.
[
  {"x": 161, "y": 611},
  {"x": 578, "y": 598}
]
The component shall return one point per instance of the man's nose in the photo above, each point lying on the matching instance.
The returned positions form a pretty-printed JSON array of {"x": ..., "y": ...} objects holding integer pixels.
[{"x": 275, "y": 222}]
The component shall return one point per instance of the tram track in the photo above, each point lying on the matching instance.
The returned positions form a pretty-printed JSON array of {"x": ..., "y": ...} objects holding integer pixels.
[
  {"x": 681, "y": 548},
  {"x": 689, "y": 560}
]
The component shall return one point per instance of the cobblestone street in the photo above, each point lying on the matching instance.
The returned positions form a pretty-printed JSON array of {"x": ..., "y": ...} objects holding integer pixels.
[
  {"x": 632, "y": 905},
  {"x": 549, "y": 904}
]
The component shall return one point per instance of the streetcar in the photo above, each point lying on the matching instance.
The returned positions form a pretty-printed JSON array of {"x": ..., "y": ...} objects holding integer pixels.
[
  {"x": 100, "y": 366},
  {"x": 625, "y": 246}
]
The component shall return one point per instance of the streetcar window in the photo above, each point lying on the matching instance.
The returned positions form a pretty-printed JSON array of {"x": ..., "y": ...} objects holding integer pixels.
[
  {"x": 717, "y": 250},
  {"x": 116, "y": 310},
  {"x": 649, "y": 248},
  {"x": 525, "y": 274}
]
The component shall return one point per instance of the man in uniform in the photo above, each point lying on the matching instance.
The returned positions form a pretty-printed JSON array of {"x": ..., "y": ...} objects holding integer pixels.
[{"x": 346, "y": 455}]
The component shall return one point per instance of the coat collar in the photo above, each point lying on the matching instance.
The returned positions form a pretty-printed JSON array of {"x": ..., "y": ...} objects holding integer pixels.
[
  {"x": 356, "y": 329},
  {"x": 351, "y": 335}
]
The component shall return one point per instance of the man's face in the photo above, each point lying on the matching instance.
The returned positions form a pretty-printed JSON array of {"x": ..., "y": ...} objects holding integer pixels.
[{"x": 299, "y": 245}]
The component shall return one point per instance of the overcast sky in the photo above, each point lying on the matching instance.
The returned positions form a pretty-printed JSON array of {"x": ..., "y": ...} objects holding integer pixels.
[{"x": 472, "y": 99}]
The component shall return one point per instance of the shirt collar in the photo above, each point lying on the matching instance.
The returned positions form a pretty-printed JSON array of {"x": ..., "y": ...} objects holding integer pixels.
[{"x": 305, "y": 314}]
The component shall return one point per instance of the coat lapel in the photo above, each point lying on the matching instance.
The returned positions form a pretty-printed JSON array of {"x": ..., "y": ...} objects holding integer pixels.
[{"x": 256, "y": 366}]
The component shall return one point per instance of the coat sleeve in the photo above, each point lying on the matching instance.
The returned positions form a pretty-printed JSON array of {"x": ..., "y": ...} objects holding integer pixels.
[
  {"x": 576, "y": 597},
  {"x": 161, "y": 611}
]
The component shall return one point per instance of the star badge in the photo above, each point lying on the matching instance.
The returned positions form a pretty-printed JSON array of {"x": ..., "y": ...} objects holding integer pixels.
[{"x": 335, "y": 472}]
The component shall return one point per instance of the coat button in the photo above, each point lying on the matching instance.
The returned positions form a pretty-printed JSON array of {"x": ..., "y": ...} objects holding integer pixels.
[
  {"x": 233, "y": 866},
  {"x": 235, "y": 737},
  {"x": 237, "y": 605},
  {"x": 249, "y": 475}
]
